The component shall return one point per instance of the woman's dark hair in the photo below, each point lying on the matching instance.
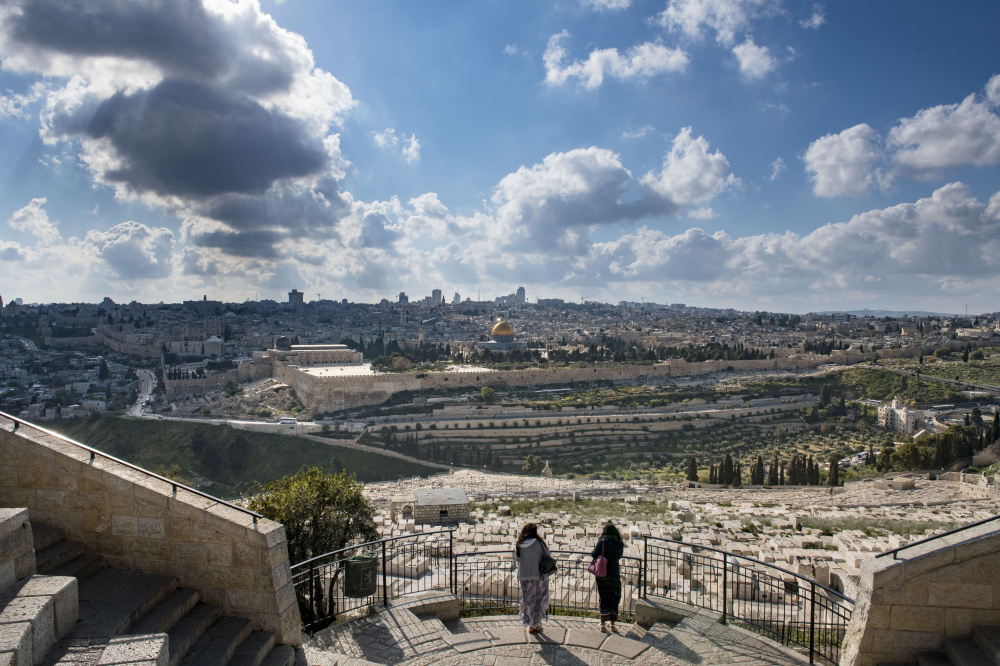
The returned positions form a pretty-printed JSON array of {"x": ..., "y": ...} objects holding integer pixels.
[
  {"x": 611, "y": 532},
  {"x": 529, "y": 531}
]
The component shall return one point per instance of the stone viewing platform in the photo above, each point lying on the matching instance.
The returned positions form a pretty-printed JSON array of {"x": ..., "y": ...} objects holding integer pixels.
[{"x": 397, "y": 635}]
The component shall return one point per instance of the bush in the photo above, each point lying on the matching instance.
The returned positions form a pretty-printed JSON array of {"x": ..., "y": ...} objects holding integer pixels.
[{"x": 321, "y": 512}]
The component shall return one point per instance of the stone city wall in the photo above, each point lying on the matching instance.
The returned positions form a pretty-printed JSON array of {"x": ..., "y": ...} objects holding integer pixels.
[
  {"x": 139, "y": 522},
  {"x": 244, "y": 372},
  {"x": 934, "y": 591},
  {"x": 107, "y": 337},
  {"x": 326, "y": 394}
]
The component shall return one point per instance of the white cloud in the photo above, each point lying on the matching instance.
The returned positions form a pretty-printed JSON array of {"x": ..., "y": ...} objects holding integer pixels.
[
  {"x": 134, "y": 251},
  {"x": 777, "y": 166},
  {"x": 34, "y": 220},
  {"x": 691, "y": 174},
  {"x": 816, "y": 20},
  {"x": 724, "y": 18},
  {"x": 409, "y": 146},
  {"x": 993, "y": 90},
  {"x": 843, "y": 164},
  {"x": 514, "y": 50},
  {"x": 755, "y": 61},
  {"x": 411, "y": 149},
  {"x": 11, "y": 251},
  {"x": 639, "y": 62},
  {"x": 949, "y": 135},
  {"x": 637, "y": 133},
  {"x": 607, "y": 4}
]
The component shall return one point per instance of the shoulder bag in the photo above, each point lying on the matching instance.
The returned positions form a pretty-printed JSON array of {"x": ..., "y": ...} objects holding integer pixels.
[
  {"x": 599, "y": 567},
  {"x": 547, "y": 565}
]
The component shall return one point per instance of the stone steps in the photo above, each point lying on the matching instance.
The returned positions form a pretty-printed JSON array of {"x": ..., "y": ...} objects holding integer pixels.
[
  {"x": 982, "y": 649},
  {"x": 57, "y": 556}
]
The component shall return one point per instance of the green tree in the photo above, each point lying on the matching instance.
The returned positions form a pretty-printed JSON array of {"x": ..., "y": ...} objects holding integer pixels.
[
  {"x": 833, "y": 478},
  {"x": 321, "y": 512},
  {"x": 533, "y": 464},
  {"x": 692, "y": 470},
  {"x": 488, "y": 394}
]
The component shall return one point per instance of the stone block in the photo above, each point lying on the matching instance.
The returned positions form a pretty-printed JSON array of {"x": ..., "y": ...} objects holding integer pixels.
[
  {"x": 917, "y": 618},
  {"x": 960, "y": 621},
  {"x": 151, "y": 549},
  {"x": 124, "y": 525},
  {"x": 7, "y": 575},
  {"x": 189, "y": 552},
  {"x": 24, "y": 564},
  {"x": 245, "y": 555},
  {"x": 97, "y": 522},
  {"x": 63, "y": 590},
  {"x": 962, "y": 595},
  {"x": 17, "y": 640},
  {"x": 248, "y": 603},
  {"x": 218, "y": 554},
  {"x": 151, "y": 528},
  {"x": 140, "y": 650},
  {"x": 39, "y": 612}
]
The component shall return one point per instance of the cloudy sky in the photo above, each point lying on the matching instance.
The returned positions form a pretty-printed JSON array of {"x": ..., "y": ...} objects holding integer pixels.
[{"x": 756, "y": 154}]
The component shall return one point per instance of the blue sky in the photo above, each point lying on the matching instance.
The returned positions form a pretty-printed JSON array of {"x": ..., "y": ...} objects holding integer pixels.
[{"x": 786, "y": 156}]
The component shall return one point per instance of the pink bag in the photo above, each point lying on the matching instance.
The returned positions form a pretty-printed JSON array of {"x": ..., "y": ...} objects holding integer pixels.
[{"x": 599, "y": 567}]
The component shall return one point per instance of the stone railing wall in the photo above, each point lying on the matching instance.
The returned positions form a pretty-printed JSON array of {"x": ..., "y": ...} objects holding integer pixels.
[
  {"x": 137, "y": 521},
  {"x": 934, "y": 591}
]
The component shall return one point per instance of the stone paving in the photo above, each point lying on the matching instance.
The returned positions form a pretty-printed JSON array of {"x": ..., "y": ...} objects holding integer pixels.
[{"x": 397, "y": 636}]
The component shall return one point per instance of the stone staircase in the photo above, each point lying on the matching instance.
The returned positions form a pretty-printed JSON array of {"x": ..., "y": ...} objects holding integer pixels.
[
  {"x": 982, "y": 649},
  {"x": 77, "y": 612}
]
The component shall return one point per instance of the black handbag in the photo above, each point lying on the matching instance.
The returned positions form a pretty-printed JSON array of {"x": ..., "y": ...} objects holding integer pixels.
[{"x": 547, "y": 565}]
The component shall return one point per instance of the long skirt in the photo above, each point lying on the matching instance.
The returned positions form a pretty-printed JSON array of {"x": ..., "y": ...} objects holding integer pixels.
[
  {"x": 534, "y": 602},
  {"x": 609, "y": 590}
]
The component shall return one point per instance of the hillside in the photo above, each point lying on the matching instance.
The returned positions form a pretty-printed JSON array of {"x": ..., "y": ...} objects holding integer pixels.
[{"x": 231, "y": 459}]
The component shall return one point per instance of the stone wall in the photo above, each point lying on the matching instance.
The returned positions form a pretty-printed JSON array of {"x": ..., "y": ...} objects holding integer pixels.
[
  {"x": 932, "y": 592},
  {"x": 17, "y": 548},
  {"x": 326, "y": 394},
  {"x": 243, "y": 373},
  {"x": 138, "y": 522}
]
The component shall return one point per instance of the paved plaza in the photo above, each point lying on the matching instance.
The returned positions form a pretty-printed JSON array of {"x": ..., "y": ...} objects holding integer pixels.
[{"x": 397, "y": 636}]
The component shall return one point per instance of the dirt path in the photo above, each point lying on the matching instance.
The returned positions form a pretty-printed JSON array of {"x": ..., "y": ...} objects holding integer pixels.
[{"x": 371, "y": 449}]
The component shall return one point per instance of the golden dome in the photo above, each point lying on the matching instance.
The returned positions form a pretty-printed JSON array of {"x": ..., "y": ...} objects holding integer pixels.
[{"x": 502, "y": 328}]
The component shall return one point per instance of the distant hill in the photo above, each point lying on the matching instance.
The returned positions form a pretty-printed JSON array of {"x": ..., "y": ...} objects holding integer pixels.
[{"x": 231, "y": 459}]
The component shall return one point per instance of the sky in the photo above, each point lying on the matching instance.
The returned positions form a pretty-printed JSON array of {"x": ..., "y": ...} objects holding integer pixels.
[{"x": 755, "y": 154}]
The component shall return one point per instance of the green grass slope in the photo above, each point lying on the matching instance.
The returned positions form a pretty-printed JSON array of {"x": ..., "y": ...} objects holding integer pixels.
[{"x": 232, "y": 459}]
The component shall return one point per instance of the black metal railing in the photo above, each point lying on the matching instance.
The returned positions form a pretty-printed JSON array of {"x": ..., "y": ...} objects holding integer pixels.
[
  {"x": 896, "y": 551},
  {"x": 174, "y": 485},
  {"x": 767, "y": 599},
  {"x": 404, "y": 565},
  {"x": 486, "y": 584}
]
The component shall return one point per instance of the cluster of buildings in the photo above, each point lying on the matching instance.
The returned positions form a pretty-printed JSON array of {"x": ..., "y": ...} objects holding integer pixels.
[{"x": 199, "y": 337}]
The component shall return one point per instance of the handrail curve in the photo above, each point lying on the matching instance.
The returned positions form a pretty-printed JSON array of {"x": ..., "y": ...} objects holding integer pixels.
[{"x": 769, "y": 565}]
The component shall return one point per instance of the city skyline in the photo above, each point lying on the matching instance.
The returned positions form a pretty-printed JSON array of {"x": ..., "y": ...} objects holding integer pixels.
[{"x": 789, "y": 157}]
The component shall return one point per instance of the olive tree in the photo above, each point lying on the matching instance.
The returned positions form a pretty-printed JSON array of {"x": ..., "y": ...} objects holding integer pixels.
[{"x": 321, "y": 512}]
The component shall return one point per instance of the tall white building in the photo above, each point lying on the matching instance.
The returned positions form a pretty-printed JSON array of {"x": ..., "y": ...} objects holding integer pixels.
[{"x": 897, "y": 416}]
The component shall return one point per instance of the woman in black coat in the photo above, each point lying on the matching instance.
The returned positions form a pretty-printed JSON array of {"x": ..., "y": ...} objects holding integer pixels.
[{"x": 609, "y": 587}]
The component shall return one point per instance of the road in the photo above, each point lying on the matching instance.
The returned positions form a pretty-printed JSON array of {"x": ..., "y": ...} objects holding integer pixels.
[
  {"x": 147, "y": 383},
  {"x": 960, "y": 385},
  {"x": 373, "y": 449}
]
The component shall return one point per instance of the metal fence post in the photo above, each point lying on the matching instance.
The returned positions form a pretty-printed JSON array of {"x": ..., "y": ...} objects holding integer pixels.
[
  {"x": 645, "y": 567},
  {"x": 312, "y": 592},
  {"x": 451, "y": 562},
  {"x": 385, "y": 590},
  {"x": 725, "y": 584},
  {"x": 812, "y": 621}
]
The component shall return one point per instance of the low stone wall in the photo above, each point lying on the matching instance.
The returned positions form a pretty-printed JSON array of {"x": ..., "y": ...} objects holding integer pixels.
[
  {"x": 17, "y": 549},
  {"x": 139, "y": 522},
  {"x": 932, "y": 592}
]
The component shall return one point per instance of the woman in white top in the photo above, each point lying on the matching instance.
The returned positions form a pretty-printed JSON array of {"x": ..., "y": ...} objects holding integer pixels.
[{"x": 528, "y": 552}]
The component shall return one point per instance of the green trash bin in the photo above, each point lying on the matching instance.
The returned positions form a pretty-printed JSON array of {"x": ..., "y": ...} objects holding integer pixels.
[{"x": 360, "y": 576}]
